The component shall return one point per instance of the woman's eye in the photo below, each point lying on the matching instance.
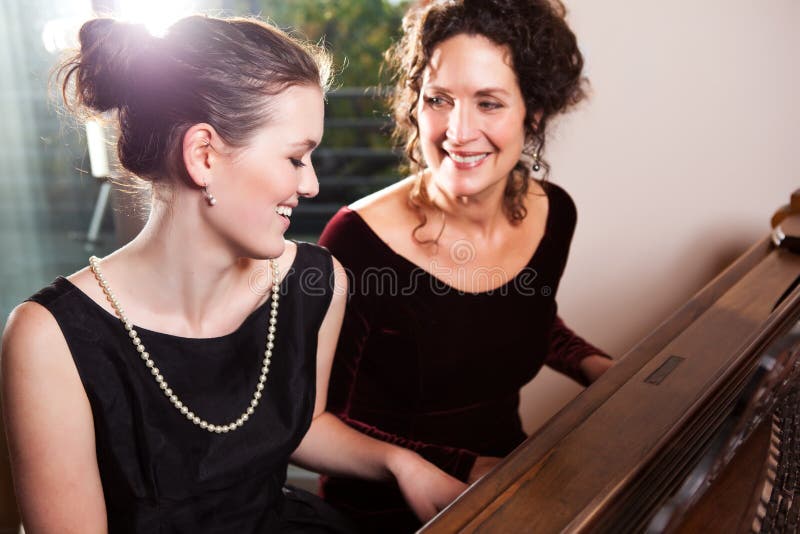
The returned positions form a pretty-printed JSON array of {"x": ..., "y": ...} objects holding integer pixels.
[
  {"x": 297, "y": 163},
  {"x": 489, "y": 105},
  {"x": 434, "y": 101}
]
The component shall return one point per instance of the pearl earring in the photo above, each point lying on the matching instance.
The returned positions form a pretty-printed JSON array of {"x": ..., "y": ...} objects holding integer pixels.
[
  {"x": 208, "y": 196},
  {"x": 536, "y": 165}
]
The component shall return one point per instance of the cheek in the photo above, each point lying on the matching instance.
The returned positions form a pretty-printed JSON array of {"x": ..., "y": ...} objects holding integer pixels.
[
  {"x": 431, "y": 126},
  {"x": 250, "y": 214},
  {"x": 251, "y": 200},
  {"x": 509, "y": 136},
  {"x": 431, "y": 134}
]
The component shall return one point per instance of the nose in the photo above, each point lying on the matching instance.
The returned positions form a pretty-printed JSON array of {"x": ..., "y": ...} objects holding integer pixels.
[
  {"x": 461, "y": 127},
  {"x": 309, "y": 185}
]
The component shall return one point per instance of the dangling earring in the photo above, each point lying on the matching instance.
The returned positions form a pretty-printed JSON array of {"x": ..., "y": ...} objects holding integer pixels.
[
  {"x": 532, "y": 151},
  {"x": 536, "y": 165},
  {"x": 208, "y": 196}
]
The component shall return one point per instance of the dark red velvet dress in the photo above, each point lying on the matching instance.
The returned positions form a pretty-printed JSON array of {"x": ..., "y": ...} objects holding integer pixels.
[{"x": 436, "y": 370}]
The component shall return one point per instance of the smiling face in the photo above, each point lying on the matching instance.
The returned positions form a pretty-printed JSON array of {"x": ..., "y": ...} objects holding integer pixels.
[
  {"x": 258, "y": 185},
  {"x": 471, "y": 116}
]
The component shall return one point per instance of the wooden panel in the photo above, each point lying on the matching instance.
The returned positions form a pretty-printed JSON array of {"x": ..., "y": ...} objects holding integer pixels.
[
  {"x": 601, "y": 447},
  {"x": 482, "y": 493}
]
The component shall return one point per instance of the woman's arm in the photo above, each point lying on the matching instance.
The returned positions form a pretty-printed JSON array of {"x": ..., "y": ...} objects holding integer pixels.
[
  {"x": 9, "y": 513},
  {"x": 332, "y": 447},
  {"x": 49, "y": 427},
  {"x": 452, "y": 460},
  {"x": 571, "y": 355}
]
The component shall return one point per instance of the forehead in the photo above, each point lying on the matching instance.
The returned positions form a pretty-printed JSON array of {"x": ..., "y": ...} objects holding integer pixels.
[
  {"x": 297, "y": 111},
  {"x": 470, "y": 61}
]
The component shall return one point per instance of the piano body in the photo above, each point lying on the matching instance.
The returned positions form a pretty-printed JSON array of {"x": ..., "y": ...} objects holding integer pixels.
[{"x": 696, "y": 429}]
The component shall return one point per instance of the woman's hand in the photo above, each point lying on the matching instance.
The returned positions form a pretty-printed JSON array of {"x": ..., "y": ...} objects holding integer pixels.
[
  {"x": 426, "y": 488},
  {"x": 483, "y": 464},
  {"x": 594, "y": 366}
]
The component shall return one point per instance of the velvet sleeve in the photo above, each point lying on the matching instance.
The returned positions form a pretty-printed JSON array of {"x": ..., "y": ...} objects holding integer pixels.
[
  {"x": 453, "y": 461},
  {"x": 346, "y": 238},
  {"x": 567, "y": 349}
]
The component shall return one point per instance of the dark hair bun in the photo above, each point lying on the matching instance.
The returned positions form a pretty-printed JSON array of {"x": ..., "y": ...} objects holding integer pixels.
[
  {"x": 223, "y": 72},
  {"x": 109, "y": 53}
]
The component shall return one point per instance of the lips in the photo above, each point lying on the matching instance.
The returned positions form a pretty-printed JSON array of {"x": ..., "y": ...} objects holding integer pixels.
[
  {"x": 284, "y": 212},
  {"x": 474, "y": 158},
  {"x": 466, "y": 160}
]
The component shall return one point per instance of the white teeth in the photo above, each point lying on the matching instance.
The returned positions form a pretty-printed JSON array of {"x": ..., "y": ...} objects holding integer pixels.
[
  {"x": 284, "y": 210},
  {"x": 466, "y": 159}
]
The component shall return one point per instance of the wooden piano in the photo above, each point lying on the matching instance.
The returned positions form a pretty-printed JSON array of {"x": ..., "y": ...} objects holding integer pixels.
[{"x": 697, "y": 429}]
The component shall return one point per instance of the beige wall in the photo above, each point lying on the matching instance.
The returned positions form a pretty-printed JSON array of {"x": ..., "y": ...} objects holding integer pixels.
[{"x": 685, "y": 149}]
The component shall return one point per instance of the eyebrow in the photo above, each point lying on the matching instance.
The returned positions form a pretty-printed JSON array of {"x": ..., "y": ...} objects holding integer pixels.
[
  {"x": 310, "y": 144},
  {"x": 489, "y": 90},
  {"x": 486, "y": 91}
]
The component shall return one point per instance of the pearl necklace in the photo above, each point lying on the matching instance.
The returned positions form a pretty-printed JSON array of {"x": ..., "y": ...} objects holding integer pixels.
[{"x": 94, "y": 262}]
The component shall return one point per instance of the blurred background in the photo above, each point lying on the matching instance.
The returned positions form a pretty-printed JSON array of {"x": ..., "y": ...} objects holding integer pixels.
[{"x": 676, "y": 162}]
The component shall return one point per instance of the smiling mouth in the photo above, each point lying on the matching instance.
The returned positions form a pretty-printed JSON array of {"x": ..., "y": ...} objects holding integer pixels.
[
  {"x": 286, "y": 211},
  {"x": 467, "y": 158}
]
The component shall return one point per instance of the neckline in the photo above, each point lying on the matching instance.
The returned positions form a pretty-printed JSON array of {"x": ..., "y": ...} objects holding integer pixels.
[
  {"x": 164, "y": 335},
  {"x": 546, "y": 187}
]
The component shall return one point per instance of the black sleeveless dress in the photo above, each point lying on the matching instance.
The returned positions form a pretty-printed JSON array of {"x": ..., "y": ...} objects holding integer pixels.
[{"x": 160, "y": 472}]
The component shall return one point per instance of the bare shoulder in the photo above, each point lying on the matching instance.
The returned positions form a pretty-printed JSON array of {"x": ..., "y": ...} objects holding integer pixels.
[
  {"x": 386, "y": 209},
  {"x": 536, "y": 189},
  {"x": 33, "y": 347},
  {"x": 391, "y": 198},
  {"x": 537, "y": 202},
  {"x": 30, "y": 326}
]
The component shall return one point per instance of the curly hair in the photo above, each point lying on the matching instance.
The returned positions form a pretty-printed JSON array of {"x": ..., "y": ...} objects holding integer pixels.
[
  {"x": 545, "y": 58},
  {"x": 206, "y": 69}
]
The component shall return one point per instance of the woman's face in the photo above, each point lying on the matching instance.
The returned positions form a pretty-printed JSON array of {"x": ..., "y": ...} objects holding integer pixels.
[
  {"x": 257, "y": 186},
  {"x": 471, "y": 116}
]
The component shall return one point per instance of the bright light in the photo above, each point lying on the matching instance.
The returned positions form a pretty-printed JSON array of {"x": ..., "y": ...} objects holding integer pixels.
[
  {"x": 156, "y": 15},
  {"x": 62, "y": 34},
  {"x": 98, "y": 149}
]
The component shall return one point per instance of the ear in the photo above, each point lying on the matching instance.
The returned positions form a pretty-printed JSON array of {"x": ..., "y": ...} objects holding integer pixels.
[
  {"x": 537, "y": 117},
  {"x": 199, "y": 152}
]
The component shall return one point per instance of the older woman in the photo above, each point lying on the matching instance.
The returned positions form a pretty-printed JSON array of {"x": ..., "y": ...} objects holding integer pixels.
[{"x": 455, "y": 269}]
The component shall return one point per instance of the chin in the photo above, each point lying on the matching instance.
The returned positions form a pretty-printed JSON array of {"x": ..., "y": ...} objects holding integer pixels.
[
  {"x": 265, "y": 251},
  {"x": 460, "y": 187},
  {"x": 276, "y": 250}
]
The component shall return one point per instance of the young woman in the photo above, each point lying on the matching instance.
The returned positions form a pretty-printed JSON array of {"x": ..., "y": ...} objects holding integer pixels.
[
  {"x": 165, "y": 387},
  {"x": 455, "y": 269}
]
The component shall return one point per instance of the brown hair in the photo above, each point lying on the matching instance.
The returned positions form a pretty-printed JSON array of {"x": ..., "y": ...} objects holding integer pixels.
[
  {"x": 545, "y": 58},
  {"x": 205, "y": 69}
]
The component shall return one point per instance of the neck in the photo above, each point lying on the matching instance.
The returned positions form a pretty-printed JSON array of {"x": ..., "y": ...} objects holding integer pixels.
[
  {"x": 479, "y": 214},
  {"x": 182, "y": 269}
]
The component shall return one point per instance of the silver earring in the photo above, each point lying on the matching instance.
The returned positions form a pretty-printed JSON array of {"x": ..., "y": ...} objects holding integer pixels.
[
  {"x": 536, "y": 165},
  {"x": 208, "y": 196}
]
